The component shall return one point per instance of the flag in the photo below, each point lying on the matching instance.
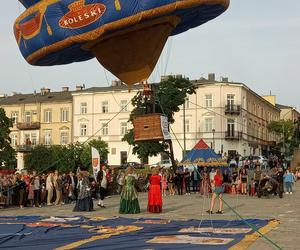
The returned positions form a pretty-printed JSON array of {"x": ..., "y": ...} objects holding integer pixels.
[{"x": 95, "y": 161}]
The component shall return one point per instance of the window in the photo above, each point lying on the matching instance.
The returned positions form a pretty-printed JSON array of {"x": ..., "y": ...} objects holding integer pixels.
[
  {"x": 48, "y": 116},
  {"x": 83, "y": 129},
  {"x": 124, "y": 105},
  {"x": 47, "y": 137},
  {"x": 187, "y": 125},
  {"x": 34, "y": 140},
  {"x": 83, "y": 108},
  {"x": 123, "y": 128},
  {"x": 104, "y": 129},
  {"x": 105, "y": 107},
  {"x": 27, "y": 116},
  {"x": 64, "y": 115},
  {"x": 230, "y": 127},
  {"x": 27, "y": 139},
  {"x": 208, "y": 125},
  {"x": 208, "y": 100},
  {"x": 230, "y": 100},
  {"x": 64, "y": 137},
  {"x": 14, "y": 117},
  {"x": 14, "y": 140}
]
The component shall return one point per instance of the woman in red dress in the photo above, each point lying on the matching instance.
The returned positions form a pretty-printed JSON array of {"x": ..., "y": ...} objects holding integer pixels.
[{"x": 154, "y": 194}]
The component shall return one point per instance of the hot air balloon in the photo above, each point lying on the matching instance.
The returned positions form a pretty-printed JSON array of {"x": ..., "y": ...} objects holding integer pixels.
[{"x": 127, "y": 37}]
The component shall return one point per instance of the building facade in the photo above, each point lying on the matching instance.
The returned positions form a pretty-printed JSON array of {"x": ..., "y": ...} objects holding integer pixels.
[
  {"x": 228, "y": 116},
  {"x": 39, "y": 118}
]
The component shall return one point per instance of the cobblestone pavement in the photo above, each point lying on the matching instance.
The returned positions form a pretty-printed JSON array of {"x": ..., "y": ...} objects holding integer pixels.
[{"x": 287, "y": 210}]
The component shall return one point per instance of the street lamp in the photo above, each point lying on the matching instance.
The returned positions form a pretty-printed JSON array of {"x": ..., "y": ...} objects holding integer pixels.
[{"x": 213, "y": 132}]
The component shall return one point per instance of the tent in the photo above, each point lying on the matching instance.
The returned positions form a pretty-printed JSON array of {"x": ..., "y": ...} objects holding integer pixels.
[{"x": 202, "y": 155}]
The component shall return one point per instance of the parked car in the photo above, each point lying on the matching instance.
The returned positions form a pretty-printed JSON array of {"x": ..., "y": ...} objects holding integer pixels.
[
  {"x": 246, "y": 160},
  {"x": 164, "y": 163},
  {"x": 132, "y": 164}
]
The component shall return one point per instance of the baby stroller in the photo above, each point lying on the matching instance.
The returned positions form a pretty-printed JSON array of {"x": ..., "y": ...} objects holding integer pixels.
[{"x": 268, "y": 186}]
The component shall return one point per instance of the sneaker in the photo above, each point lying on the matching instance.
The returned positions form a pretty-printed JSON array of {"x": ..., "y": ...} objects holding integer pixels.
[
  {"x": 99, "y": 205},
  {"x": 102, "y": 206},
  {"x": 209, "y": 212},
  {"x": 291, "y": 192},
  {"x": 220, "y": 212},
  {"x": 286, "y": 192}
]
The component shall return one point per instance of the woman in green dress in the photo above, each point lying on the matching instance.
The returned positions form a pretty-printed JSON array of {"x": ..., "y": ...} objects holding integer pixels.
[{"x": 129, "y": 203}]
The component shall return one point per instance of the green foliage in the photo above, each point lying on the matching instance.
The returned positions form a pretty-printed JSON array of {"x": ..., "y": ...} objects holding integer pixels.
[
  {"x": 86, "y": 154},
  {"x": 63, "y": 158},
  {"x": 7, "y": 153},
  {"x": 167, "y": 98},
  {"x": 286, "y": 129}
]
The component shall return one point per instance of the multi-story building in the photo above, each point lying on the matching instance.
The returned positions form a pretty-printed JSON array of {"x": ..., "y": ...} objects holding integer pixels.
[
  {"x": 229, "y": 116},
  {"x": 95, "y": 115},
  {"x": 286, "y": 112},
  {"x": 39, "y": 118}
]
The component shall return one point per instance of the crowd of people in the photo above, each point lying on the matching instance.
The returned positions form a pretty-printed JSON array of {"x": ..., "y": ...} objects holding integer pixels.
[{"x": 30, "y": 189}]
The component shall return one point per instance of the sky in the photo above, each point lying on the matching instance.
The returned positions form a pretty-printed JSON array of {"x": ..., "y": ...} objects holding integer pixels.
[{"x": 255, "y": 42}]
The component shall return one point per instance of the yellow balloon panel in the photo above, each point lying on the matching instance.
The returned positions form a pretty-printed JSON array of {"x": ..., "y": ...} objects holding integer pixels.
[{"x": 132, "y": 54}]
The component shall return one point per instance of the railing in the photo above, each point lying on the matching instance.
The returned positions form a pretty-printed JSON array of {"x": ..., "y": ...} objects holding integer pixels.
[
  {"x": 232, "y": 109},
  {"x": 28, "y": 125},
  {"x": 24, "y": 148},
  {"x": 233, "y": 135}
]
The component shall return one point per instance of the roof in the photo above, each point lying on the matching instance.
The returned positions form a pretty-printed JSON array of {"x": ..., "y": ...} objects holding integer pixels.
[
  {"x": 109, "y": 88},
  {"x": 36, "y": 98},
  {"x": 280, "y": 106},
  {"x": 201, "y": 145}
]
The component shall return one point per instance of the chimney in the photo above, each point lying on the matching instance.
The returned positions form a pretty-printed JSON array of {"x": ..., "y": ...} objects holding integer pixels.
[
  {"x": 65, "y": 89},
  {"x": 116, "y": 83},
  {"x": 224, "y": 79},
  {"x": 79, "y": 87},
  {"x": 45, "y": 91},
  {"x": 211, "y": 77}
]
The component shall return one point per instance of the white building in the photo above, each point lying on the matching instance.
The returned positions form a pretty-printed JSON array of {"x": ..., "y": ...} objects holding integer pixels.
[{"x": 228, "y": 116}]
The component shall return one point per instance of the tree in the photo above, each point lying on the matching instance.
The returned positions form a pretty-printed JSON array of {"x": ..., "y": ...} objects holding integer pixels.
[
  {"x": 86, "y": 155},
  {"x": 286, "y": 130},
  {"x": 7, "y": 153},
  {"x": 167, "y": 98},
  {"x": 63, "y": 158}
]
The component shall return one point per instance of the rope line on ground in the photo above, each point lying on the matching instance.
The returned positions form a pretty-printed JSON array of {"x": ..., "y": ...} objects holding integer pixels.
[{"x": 254, "y": 228}]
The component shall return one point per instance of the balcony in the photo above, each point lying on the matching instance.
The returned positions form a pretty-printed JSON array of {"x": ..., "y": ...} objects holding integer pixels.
[
  {"x": 24, "y": 148},
  {"x": 233, "y": 135},
  {"x": 28, "y": 125},
  {"x": 232, "y": 109}
]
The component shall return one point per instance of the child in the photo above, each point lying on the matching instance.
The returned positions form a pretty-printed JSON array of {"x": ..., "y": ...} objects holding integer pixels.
[{"x": 252, "y": 187}]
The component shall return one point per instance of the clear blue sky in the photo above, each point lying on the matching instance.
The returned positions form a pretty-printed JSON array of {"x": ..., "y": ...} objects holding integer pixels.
[{"x": 256, "y": 42}]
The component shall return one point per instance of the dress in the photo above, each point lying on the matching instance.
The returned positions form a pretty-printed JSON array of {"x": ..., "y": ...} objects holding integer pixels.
[
  {"x": 129, "y": 203},
  {"x": 84, "y": 201},
  {"x": 154, "y": 195}
]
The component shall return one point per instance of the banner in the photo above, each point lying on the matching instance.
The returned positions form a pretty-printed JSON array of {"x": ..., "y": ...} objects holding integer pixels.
[
  {"x": 95, "y": 161},
  {"x": 165, "y": 127}
]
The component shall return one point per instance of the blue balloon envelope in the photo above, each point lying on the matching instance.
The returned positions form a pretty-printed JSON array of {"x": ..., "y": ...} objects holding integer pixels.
[{"x": 126, "y": 36}]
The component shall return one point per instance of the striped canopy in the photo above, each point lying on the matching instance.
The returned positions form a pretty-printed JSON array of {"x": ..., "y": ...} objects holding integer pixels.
[{"x": 202, "y": 155}]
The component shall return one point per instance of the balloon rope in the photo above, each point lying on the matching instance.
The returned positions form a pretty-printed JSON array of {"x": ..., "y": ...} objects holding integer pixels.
[
  {"x": 50, "y": 32},
  {"x": 117, "y": 5}
]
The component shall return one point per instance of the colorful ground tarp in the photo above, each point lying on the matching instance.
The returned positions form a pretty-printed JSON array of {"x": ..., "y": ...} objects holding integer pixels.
[{"x": 122, "y": 233}]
